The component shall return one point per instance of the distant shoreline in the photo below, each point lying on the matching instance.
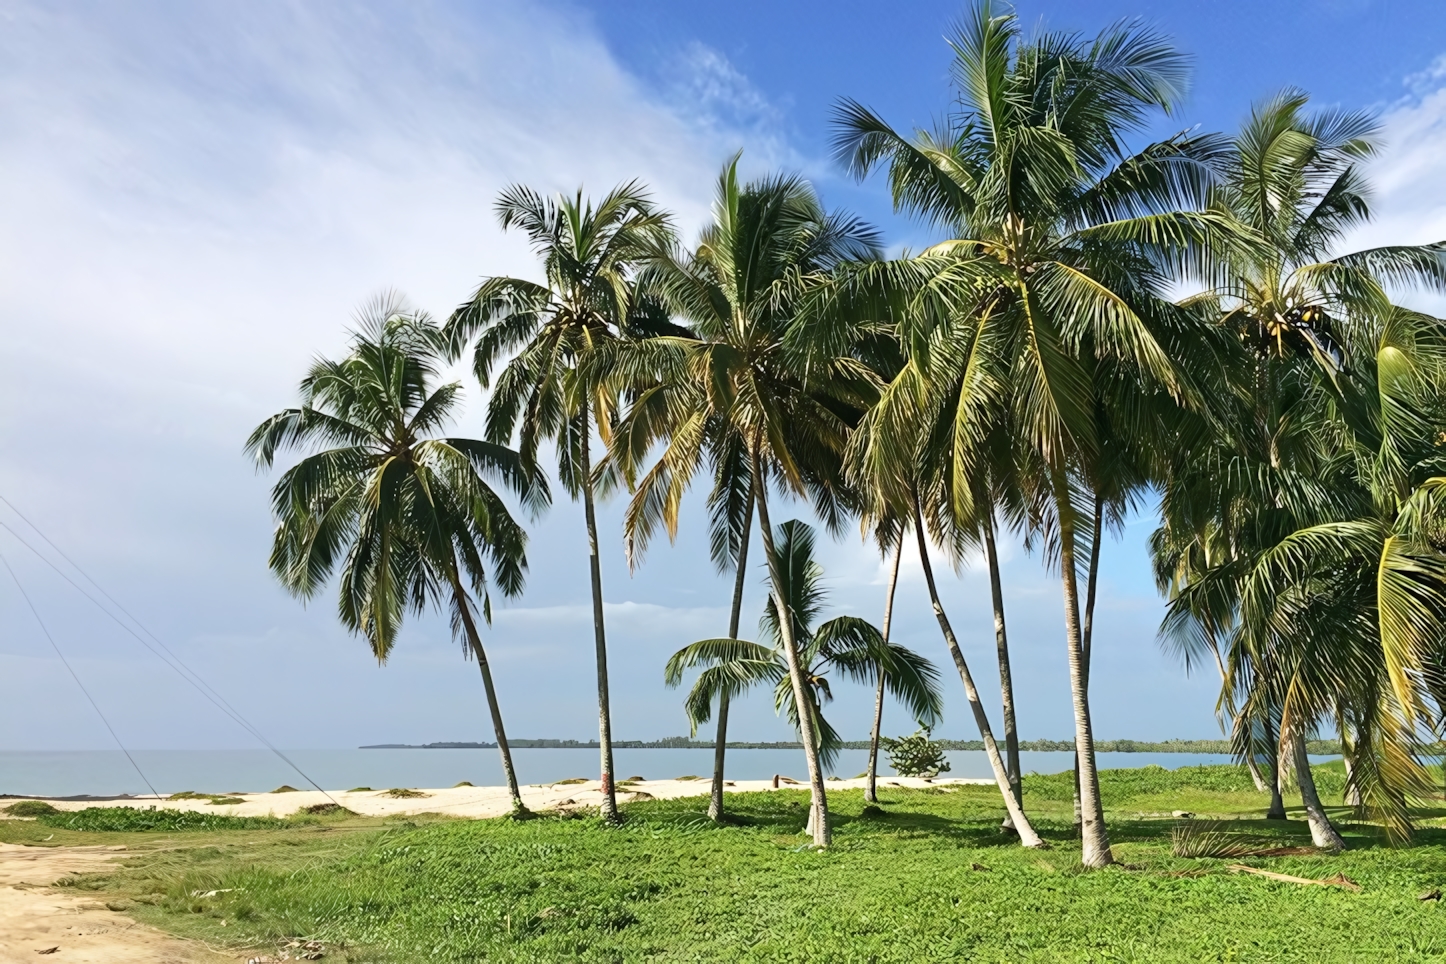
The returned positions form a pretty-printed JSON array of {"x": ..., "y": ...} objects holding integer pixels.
[{"x": 1316, "y": 747}]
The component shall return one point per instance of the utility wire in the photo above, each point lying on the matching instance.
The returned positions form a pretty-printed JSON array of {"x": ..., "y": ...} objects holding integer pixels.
[
  {"x": 96, "y": 706},
  {"x": 176, "y": 664}
]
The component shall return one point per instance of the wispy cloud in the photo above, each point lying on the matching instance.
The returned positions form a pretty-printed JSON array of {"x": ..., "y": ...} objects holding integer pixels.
[{"x": 196, "y": 196}]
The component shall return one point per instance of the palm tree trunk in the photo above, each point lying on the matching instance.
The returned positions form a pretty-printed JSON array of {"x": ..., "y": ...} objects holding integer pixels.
[
  {"x": 818, "y": 810},
  {"x": 1027, "y": 836},
  {"x": 720, "y": 738},
  {"x": 871, "y": 794},
  {"x": 1087, "y": 632},
  {"x": 1094, "y": 839},
  {"x": 1006, "y": 677},
  {"x": 1277, "y": 802},
  {"x": 1322, "y": 833},
  {"x": 474, "y": 641},
  {"x": 604, "y": 710},
  {"x": 1348, "y": 758}
]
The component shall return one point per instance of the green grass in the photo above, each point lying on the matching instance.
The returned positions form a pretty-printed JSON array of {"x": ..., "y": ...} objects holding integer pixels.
[
  {"x": 132, "y": 820},
  {"x": 929, "y": 878}
]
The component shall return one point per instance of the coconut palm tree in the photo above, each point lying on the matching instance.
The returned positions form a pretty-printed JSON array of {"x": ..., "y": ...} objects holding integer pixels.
[
  {"x": 590, "y": 255},
  {"x": 848, "y": 645},
  {"x": 407, "y": 515},
  {"x": 1295, "y": 537},
  {"x": 732, "y": 385},
  {"x": 1062, "y": 245}
]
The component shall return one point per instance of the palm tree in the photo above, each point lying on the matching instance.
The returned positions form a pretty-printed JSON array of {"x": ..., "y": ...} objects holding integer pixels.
[
  {"x": 847, "y": 644},
  {"x": 733, "y": 385},
  {"x": 1295, "y": 537},
  {"x": 409, "y": 516},
  {"x": 1063, "y": 245},
  {"x": 590, "y": 256}
]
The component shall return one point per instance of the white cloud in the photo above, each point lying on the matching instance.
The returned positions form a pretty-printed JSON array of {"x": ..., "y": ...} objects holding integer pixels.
[
  {"x": 1409, "y": 175},
  {"x": 196, "y": 196}
]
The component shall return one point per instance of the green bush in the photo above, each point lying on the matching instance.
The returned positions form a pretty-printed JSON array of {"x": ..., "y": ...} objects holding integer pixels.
[{"x": 916, "y": 755}]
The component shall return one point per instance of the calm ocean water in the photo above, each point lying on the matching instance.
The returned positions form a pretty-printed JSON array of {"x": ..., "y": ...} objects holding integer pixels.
[{"x": 108, "y": 773}]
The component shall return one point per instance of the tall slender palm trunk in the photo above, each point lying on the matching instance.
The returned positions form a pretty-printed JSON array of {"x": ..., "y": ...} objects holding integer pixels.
[
  {"x": 818, "y": 809},
  {"x": 1322, "y": 833},
  {"x": 720, "y": 738},
  {"x": 1092, "y": 583},
  {"x": 1006, "y": 677},
  {"x": 871, "y": 794},
  {"x": 474, "y": 641},
  {"x": 1027, "y": 836},
  {"x": 604, "y": 710},
  {"x": 1094, "y": 839}
]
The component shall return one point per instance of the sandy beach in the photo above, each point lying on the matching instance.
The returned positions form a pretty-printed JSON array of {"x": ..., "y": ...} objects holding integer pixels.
[{"x": 473, "y": 801}]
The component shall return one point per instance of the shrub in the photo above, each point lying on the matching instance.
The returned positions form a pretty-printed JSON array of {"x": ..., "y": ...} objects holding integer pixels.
[
  {"x": 30, "y": 808},
  {"x": 916, "y": 755}
]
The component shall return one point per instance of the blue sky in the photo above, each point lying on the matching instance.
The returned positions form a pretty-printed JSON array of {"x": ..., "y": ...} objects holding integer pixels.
[{"x": 198, "y": 195}]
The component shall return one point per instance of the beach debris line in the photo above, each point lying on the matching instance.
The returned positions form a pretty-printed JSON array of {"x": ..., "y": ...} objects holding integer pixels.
[
  {"x": 293, "y": 950},
  {"x": 1334, "y": 880},
  {"x": 403, "y": 793}
]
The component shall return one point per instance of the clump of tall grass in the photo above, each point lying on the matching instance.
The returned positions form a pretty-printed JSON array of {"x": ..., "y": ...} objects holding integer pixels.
[
  {"x": 30, "y": 808},
  {"x": 328, "y": 810}
]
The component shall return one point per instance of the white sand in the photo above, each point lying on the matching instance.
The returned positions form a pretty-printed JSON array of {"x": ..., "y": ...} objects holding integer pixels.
[{"x": 483, "y": 801}]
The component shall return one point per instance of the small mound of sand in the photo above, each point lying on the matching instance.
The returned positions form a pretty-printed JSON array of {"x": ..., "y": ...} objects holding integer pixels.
[
  {"x": 402, "y": 793},
  {"x": 30, "y": 808},
  {"x": 328, "y": 810}
]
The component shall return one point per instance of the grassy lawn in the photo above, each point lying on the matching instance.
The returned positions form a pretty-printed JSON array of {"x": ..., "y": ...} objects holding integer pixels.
[{"x": 930, "y": 878}]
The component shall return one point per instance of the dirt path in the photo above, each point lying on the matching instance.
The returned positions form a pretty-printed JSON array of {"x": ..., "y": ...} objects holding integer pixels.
[{"x": 35, "y": 916}]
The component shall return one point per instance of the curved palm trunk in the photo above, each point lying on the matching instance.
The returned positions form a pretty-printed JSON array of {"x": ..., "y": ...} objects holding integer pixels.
[
  {"x": 474, "y": 641},
  {"x": 604, "y": 710},
  {"x": 1027, "y": 836},
  {"x": 1006, "y": 677},
  {"x": 818, "y": 811},
  {"x": 720, "y": 738},
  {"x": 871, "y": 786},
  {"x": 1088, "y": 631},
  {"x": 1094, "y": 839},
  {"x": 1322, "y": 833}
]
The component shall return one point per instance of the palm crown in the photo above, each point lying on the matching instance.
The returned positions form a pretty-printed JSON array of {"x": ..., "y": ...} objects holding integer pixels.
[{"x": 409, "y": 516}]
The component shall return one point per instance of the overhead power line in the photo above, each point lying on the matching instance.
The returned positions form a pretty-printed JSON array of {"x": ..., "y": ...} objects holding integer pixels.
[
  {"x": 163, "y": 653},
  {"x": 73, "y": 675}
]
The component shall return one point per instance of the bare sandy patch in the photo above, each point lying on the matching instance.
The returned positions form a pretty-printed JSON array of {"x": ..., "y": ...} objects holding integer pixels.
[{"x": 35, "y": 916}]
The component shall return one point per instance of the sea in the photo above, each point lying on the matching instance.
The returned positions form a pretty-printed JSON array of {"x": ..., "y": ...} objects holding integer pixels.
[{"x": 109, "y": 773}]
